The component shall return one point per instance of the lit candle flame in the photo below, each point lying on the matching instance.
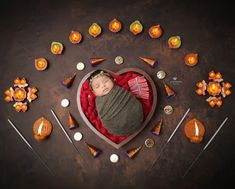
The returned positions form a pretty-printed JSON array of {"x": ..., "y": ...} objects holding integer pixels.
[
  {"x": 40, "y": 128},
  {"x": 196, "y": 129}
]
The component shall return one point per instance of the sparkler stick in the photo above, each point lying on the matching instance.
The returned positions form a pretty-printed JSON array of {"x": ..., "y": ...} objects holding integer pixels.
[
  {"x": 25, "y": 140},
  {"x": 169, "y": 139},
  {"x": 197, "y": 157},
  {"x": 66, "y": 134}
]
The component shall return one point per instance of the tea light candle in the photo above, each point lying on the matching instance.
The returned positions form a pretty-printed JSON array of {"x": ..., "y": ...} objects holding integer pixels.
[
  {"x": 115, "y": 26},
  {"x": 174, "y": 42},
  {"x": 136, "y": 27},
  {"x": 56, "y": 48},
  {"x": 155, "y": 31},
  {"x": 191, "y": 59},
  {"x": 40, "y": 64},
  {"x": 95, "y": 30},
  {"x": 19, "y": 94},
  {"x": 75, "y": 37},
  {"x": 214, "y": 88}
]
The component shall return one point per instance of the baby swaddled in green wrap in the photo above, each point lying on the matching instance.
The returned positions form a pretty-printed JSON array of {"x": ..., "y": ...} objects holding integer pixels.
[{"x": 120, "y": 112}]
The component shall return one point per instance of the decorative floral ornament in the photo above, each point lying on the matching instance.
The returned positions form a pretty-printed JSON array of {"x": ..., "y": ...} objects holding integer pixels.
[
  {"x": 215, "y": 88},
  {"x": 20, "y": 94}
]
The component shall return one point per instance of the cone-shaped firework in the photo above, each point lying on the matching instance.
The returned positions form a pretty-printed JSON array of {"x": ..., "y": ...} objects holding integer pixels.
[
  {"x": 72, "y": 123},
  {"x": 67, "y": 82},
  {"x": 169, "y": 91},
  {"x": 94, "y": 61},
  {"x": 94, "y": 151},
  {"x": 132, "y": 152},
  {"x": 149, "y": 61},
  {"x": 157, "y": 129}
]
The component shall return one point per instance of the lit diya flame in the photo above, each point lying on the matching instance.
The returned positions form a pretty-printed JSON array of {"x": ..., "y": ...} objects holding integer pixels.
[
  {"x": 19, "y": 94},
  {"x": 75, "y": 37},
  {"x": 196, "y": 129},
  {"x": 56, "y": 48},
  {"x": 214, "y": 88},
  {"x": 191, "y": 59},
  {"x": 136, "y": 27},
  {"x": 40, "y": 64},
  {"x": 155, "y": 31},
  {"x": 115, "y": 26},
  {"x": 95, "y": 30},
  {"x": 174, "y": 42}
]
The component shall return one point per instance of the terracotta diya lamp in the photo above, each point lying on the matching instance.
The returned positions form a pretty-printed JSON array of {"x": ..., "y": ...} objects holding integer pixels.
[
  {"x": 56, "y": 47},
  {"x": 19, "y": 94},
  {"x": 226, "y": 89},
  {"x": 214, "y": 88},
  {"x": 194, "y": 130},
  {"x": 201, "y": 88},
  {"x": 214, "y": 101},
  {"x": 155, "y": 31},
  {"x": 95, "y": 30},
  {"x": 211, "y": 75},
  {"x": 136, "y": 27},
  {"x": 75, "y": 37},
  {"x": 115, "y": 26},
  {"x": 40, "y": 64},
  {"x": 174, "y": 42},
  {"x": 191, "y": 59}
]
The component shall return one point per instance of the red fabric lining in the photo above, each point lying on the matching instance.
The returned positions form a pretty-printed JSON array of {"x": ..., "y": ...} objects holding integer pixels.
[{"x": 87, "y": 99}]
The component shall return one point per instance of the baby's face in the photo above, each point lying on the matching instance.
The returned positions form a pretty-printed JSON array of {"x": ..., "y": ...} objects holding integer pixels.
[{"x": 102, "y": 85}]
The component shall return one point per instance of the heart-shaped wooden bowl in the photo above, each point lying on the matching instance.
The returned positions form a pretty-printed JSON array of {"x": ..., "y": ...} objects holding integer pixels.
[{"x": 146, "y": 121}]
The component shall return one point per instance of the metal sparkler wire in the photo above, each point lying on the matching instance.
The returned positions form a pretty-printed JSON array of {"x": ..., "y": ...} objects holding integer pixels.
[
  {"x": 197, "y": 157},
  {"x": 169, "y": 139},
  {"x": 25, "y": 140}
]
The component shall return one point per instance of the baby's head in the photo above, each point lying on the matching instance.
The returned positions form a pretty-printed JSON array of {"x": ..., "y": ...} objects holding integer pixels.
[{"x": 101, "y": 82}]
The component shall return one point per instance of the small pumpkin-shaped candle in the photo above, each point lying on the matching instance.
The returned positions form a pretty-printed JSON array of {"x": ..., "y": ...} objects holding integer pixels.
[
  {"x": 115, "y": 26},
  {"x": 95, "y": 30},
  {"x": 136, "y": 27}
]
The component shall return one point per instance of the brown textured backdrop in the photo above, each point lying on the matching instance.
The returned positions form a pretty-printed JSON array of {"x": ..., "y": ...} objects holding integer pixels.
[{"x": 28, "y": 28}]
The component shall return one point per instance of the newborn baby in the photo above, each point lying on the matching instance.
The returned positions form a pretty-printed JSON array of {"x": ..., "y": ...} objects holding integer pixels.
[{"x": 120, "y": 112}]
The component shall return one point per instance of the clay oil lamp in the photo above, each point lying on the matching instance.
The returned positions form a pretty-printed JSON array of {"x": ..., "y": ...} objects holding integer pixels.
[
  {"x": 75, "y": 37},
  {"x": 174, "y": 42},
  {"x": 95, "y": 30},
  {"x": 40, "y": 64},
  {"x": 214, "y": 88},
  {"x": 115, "y": 26},
  {"x": 56, "y": 48},
  {"x": 155, "y": 31},
  {"x": 191, "y": 59},
  {"x": 136, "y": 27},
  {"x": 19, "y": 94}
]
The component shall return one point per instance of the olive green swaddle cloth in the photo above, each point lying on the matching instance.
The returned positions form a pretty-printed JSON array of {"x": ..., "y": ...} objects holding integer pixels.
[{"x": 120, "y": 112}]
